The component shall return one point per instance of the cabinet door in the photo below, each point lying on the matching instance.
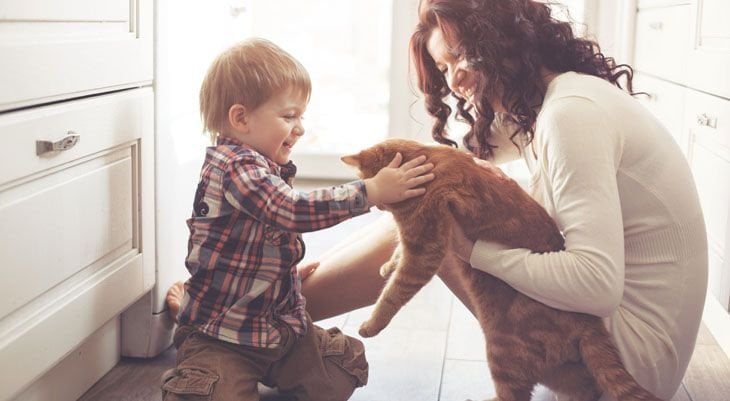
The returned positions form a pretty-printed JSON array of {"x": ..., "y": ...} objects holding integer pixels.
[
  {"x": 709, "y": 58},
  {"x": 56, "y": 50},
  {"x": 661, "y": 42},
  {"x": 77, "y": 238},
  {"x": 708, "y": 130},
  {"x": 666, "y": 101}
]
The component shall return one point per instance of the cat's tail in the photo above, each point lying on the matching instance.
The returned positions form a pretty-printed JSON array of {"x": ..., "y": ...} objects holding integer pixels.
[{"x": 604, "y": 362}]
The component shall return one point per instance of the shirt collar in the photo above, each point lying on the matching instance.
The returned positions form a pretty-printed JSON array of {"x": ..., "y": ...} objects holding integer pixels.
[{"x": 286, "y": 172}]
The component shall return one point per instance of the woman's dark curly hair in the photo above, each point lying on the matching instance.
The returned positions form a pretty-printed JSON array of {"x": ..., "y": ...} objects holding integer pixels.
[{"x": 508, "y": 44}]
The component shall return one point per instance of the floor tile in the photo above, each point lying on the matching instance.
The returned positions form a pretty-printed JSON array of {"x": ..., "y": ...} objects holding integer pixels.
[
  {"x": 466, "y": 380},
  {"x": 466, "y": 340},
  {"x": 405, "y": 364}
]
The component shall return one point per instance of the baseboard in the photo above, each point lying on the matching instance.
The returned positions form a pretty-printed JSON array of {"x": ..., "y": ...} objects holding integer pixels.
[
  {"x": 79, "y": 370},
  {"x": 145, "y": 334},
  {"x": 717, "y": 321}
]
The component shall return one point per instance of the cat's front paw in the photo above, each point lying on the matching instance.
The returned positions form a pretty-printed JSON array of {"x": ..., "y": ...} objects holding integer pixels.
[
  {"x": 369, "y": 329},
  {"x": 387, "y": 268}
]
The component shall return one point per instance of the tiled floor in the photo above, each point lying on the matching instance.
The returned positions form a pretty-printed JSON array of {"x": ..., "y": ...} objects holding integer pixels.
[{"x": 432, "y": 351}]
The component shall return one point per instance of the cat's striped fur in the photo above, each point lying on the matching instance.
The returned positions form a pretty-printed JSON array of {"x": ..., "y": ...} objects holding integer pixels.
[{"x": 527, "y": 341}]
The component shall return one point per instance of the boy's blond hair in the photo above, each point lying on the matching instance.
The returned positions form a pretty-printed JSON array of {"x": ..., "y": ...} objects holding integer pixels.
[{"x": 248, "y": 73}]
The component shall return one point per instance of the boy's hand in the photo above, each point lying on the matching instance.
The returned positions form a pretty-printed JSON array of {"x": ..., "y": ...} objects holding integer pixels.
[
  {"x": 307, "y": 269},
  {"x": 396, "y": 182}
]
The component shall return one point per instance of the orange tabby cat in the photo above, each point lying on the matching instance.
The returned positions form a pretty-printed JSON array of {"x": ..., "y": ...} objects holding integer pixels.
[{"x": 528, "y": 342}]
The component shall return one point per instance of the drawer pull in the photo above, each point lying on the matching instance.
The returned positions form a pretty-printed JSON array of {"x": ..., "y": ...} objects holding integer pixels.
[
  {"x": 68, "y": 142},
  {"x": 237, "y": 8},
  {"x": 657, "y": 25},
  {"x": 703, "y": 120}
]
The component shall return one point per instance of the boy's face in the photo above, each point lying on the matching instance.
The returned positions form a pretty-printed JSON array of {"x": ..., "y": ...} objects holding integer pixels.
[{"x": 274, "y": 127}]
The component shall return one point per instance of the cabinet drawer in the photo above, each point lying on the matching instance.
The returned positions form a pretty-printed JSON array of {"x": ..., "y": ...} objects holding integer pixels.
[
  {"x": 666, "y": 101},
  {"x": 709, "y": 57},
  {"x": 59, "y": 224},
  {"x": 707, "y": 120},
  {"x": 101, "y": 122},
  {"x": 66, "y": 211},
  {"x": 55, "y": 50},
  {"x": 659, "y": 3},
  {"x": 662, "y": 42}
]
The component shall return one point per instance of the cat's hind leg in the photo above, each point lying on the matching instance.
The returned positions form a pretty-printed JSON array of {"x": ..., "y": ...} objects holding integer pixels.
[
  {"x": 513, "y": 391},
  {"x": 573, "y": 381}
]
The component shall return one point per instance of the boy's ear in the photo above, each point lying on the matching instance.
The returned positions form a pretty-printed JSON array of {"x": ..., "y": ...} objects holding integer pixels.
[
  {"x": 238, "y": 118},
  {"x": 351, "y": 160}
]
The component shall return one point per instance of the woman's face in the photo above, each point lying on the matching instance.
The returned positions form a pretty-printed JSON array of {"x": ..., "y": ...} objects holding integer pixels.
[{"x": 462, "y": 80}]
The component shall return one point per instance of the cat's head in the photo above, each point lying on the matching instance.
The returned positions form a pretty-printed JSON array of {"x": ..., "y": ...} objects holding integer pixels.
[{"x": 370, "y": 160}]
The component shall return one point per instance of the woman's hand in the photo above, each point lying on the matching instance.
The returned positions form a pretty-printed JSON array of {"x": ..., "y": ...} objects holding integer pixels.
[
  {"x": 460, "y": 244},
  {"x": 396, "y": 182}
]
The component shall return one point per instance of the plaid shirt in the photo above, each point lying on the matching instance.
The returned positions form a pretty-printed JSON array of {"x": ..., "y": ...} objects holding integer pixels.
[{"x": 245, "y": 242}]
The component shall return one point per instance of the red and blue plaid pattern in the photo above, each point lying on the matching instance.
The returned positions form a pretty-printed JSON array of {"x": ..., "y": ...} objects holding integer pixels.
[{"x": 245, "y": 242}]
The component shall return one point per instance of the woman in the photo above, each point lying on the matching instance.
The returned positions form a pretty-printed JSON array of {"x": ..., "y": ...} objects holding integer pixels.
[
  {"x": 604, "y": 168},
  {"x": 609, "y": 174}
]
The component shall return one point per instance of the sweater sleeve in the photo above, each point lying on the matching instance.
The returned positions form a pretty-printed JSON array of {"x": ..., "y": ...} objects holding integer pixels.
[{"x": 578, "y": 157}]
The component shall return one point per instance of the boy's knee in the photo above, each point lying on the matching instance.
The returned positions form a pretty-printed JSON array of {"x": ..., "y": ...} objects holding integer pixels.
[
  {"x": 188, "y": 384},
  {"x": 344, "y": 359}
]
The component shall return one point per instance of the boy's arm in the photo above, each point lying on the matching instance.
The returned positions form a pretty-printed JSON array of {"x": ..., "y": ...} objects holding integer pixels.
[{"x": 253, "y": 189}]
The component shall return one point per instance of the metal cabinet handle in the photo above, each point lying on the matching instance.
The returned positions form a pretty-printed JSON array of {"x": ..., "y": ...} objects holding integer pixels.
[
  {"x": 656, "y": 25},
  {"x": 68, "y": 142},
  {"x": 237, "y": 8},
  {"x": 703, "y": 120}
]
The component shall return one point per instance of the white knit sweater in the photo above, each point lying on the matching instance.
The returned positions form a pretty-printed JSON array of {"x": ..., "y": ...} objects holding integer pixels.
[{"x": 622, "y": 193}]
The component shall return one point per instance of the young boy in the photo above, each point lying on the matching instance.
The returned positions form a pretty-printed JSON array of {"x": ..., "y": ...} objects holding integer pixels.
[{"x": 242, "y": 319}]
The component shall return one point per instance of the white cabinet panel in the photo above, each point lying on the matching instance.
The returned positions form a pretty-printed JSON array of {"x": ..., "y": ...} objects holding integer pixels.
[
  {"x": 53, "y": 228},
  {"x": 659, "y": 3},
  {"x": 709, "y": 56},
  {"x": 78, "y": 226},
  {"x": 29, "y": 349},
  {"x": 662, "y": 40},
  {"x": 60, "y": 11},
  {"x": 55, "y": 50},
  {"x": 666, "y": 101},
  {"x": 708, "y": 127}
]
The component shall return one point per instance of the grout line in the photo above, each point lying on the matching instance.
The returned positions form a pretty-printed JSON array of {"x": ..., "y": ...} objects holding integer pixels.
[
  {"x": 683, "y": 387},
  {"x": 446, "y": 347}
]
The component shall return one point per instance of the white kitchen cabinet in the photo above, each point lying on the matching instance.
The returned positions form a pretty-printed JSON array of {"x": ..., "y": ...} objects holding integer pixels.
[
  {"x": 55, "y": 50},
  {"x": 682, "y": 58},
  {"x": 708, "y": 128},
  {"x": 662, "y": 38},
  {"x": 666, "y": 101},
  {"x": 709, "y": 53},
  {"x": 76, "y": 187}
]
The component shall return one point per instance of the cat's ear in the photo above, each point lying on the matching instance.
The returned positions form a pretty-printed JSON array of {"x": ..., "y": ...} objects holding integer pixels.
[{"x": 351, "y": 160}]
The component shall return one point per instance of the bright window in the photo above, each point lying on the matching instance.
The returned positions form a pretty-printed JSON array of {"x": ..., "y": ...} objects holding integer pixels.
[
  {"x": 345, "y": 46},
  {"x": 357, "y": 58}
]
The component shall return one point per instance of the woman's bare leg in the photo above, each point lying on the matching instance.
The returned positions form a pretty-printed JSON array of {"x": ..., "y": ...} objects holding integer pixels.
[
  {"x": 449, "y": 274},
  {"x": 348, "y": 276}
]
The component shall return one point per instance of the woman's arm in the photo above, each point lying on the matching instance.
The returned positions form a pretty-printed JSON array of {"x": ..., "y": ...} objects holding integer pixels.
[{"x": 578, "y": 154}]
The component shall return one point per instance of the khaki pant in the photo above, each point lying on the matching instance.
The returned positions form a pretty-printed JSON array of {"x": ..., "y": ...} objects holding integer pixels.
[{"x": 324, "y": 365}]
